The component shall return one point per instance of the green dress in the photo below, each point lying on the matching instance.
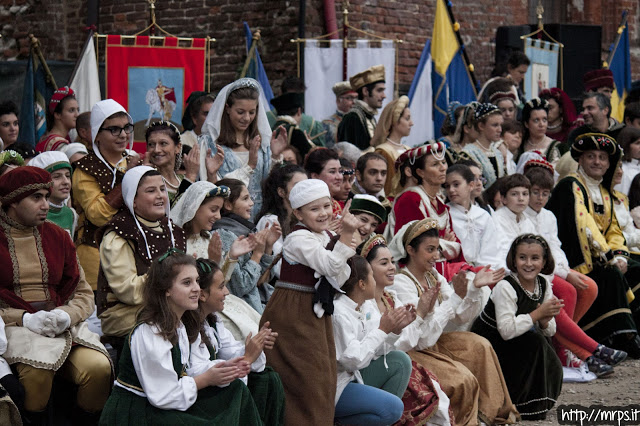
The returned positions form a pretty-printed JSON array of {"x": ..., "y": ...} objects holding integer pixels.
[
  {"x": 230, "y": 405},
  {"x": 265, "y": 387}
]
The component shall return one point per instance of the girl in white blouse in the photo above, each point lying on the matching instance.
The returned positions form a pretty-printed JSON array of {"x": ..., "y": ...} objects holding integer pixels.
[
  {"x": 263, "y": 382},
  {"x": 358, "y": 344},
  {"x": 518, "y": 320},
  {"x": 165, "y": 374}
]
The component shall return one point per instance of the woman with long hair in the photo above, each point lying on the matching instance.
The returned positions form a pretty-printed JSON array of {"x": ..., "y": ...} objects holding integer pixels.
[{"x": 61, "y": 114}]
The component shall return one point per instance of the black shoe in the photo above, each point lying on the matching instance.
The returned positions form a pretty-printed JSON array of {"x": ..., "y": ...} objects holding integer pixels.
[
  {"x": 610, "y": 356},
  {"x": 599, "y": 367},
  {"x": 32, "y": 418}
]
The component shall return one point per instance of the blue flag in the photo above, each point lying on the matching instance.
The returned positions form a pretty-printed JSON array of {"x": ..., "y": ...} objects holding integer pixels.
[
  {"x": 620, "y": 66},
  {"x": 255, "y": 69},
  {"x": 37, "y": 90}
]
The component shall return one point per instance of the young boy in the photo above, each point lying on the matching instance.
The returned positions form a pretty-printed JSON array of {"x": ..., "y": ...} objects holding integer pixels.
[
  {"x": 370, "y": 212},
  {"x": 57, "y": 163},
  {"x": 577, "y": 290},
  {"x": 511, "y": 135},
  {"x": 510, "y": 220}
]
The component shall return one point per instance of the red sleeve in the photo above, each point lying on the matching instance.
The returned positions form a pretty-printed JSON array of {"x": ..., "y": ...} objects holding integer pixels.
[{"x": 407, "y": 208}]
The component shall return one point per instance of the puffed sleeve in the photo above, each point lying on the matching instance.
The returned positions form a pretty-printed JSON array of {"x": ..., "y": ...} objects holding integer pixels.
[
  {"x": 230, "y": 348},
  {"x": 467, "y": 309},
  {"x": 119, "y": 267},
  {"x": 151, "y": 356},
  {"x": 87, "y": 195},
  {"x": 309, "y": 249},
  {"x": 354, "y": 354}
]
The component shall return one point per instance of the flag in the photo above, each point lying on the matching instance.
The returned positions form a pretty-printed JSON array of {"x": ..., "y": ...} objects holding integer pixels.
[
  {"x": 421, "y": 100},
  {"x": 85, "y": 79},
  {"x": 253, "y": 67},
  {"x": 38, "y": 88},
  {"x": 620, "y": 66},
  {"x": 450, "y": 78}
]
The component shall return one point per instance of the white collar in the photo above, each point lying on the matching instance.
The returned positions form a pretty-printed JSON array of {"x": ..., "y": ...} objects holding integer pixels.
[
  {"x": 531, "y": 212},
  {"x": 588, "y": 179},
  {"x": 511, "y": 215}
]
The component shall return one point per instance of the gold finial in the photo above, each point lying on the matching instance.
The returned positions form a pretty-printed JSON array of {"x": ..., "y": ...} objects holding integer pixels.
[
  {"x": 256, "y": 35},
  {"x": 540, "y": 12}
]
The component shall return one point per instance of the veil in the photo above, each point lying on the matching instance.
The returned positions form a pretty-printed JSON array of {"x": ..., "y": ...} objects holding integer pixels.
[{"x": 211, "y": 126}]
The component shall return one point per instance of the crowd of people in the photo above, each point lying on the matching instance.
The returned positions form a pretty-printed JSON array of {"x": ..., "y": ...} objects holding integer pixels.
[{"x": 260, "y": 266}]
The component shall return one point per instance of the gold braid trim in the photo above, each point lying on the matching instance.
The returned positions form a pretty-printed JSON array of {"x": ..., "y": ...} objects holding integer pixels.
[
  {"x": 374, "y": 240},
  {"x": 27, "y": 188},
  {"x": 43, "y": 263},
  {"x": 12, "y": 253},
  {"x": 418, "y": 228},
  {"x": 45, "y": 365}
]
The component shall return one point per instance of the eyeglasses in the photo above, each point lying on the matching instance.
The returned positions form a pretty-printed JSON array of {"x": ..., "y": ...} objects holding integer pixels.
[
  {"x": 481, "y": 179},
  {"x": 115, "y": 130}
]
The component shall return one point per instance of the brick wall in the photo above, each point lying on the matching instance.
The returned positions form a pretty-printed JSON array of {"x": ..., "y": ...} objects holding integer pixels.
[{"x": 59, "y": 24}]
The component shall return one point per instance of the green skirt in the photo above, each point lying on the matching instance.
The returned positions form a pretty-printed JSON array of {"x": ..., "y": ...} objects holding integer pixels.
[
  {"x": 231, "y": 405},
  {"x": 268, "y": 394}
]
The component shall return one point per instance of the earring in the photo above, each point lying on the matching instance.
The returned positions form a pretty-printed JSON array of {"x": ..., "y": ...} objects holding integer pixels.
[{"x": 178, "y": 163}]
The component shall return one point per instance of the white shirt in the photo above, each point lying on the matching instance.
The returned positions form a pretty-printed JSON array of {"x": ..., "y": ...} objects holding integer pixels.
[
  {"x": 509, "y": 227},
  {"x": 477, "y": 233},
  {"x": 509, "y": 325},
  {"x": 277, "y": 246},
  {"x": 308, "y": 248},
  {"x": 546, "y": 225},
  {"x": 357, "y": 342},
  {"x": 629, "y": 170},
  {"x": 151, "y": 356},
  {"x": 4, "y": 365},
  {"x": 453, "y": 314},
  {"x": 227, "y": 347},
  {"x": 629, "y": 230}
]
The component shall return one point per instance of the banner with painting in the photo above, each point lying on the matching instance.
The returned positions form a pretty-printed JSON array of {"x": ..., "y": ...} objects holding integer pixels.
[
  {"x": 153, "y": 82},
  {"x": 543, "y": 71}
]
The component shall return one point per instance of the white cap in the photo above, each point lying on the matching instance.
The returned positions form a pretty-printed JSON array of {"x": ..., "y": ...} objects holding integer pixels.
[
  {"x": 307, "y": 191},
  {"x": 74, "y": 148},
  {"x": 50, "y": 161}
]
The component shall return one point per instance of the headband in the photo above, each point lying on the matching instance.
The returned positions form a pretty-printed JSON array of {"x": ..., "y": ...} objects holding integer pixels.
[
  {"x": 164, "y": 123},
  {"x": 375, "y": 240},
  {"x": 418, "y": 228}
]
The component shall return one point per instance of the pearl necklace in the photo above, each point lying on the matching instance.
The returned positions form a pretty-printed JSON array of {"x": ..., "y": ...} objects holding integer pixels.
[
  {"x": 398, "y": 144},
  {"x": 169, "y": 184},
  {"x": 477, "y": 142}
]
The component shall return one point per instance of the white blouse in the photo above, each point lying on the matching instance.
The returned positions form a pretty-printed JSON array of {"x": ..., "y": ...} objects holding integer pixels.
[
  {"x": 509, "y": 227},
  {"x": 477, "y": 233},
  {"x": 546, "y": 225},
  {"x": 357, "y": 338},
  {"x": 4, "y": 365},
  {"x": 505, "y": 299},
  {"x": 629, "y": 230},
  {"x": 227, "y": 347},
  {"x": 151, "y": 356},
  {"x": 277, "y": 246},
  {"x": 308, "y": 248},
  {"x": 629, "y": 170},
  {"x": 452, "y": 314}
]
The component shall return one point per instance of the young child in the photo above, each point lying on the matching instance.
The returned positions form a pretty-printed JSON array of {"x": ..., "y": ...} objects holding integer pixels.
[
  {"x": 165, "y": 375},
  {"x": 236, "y": 212},
  {"x": 471, "y": 223},
  {"x": 465, "y": 364},
  {"x": 517, "y": 321},
  {"x": 577, "y": 290},
  {"x": 57, "y": 163},
  {"x": 264, "y": 383},
  {"x": 370, "y": 212},
  {"x": 512, "y": 132},
  {"x": 357, "y": 402},
  {"x": 305, "y": 356}
]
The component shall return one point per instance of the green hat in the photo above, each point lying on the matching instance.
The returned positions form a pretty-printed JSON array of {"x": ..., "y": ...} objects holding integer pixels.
[{"x": 365, "y": 203}]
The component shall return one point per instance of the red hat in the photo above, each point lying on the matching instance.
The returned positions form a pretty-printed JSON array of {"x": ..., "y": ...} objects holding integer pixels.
[
  {"x": 437, "y": 149},
  {"x": 595, "y": 79},
  {"x": 21, "y": 182},
  {"x": 58, "y": 96},
  {"x": 538, "y": 162}
]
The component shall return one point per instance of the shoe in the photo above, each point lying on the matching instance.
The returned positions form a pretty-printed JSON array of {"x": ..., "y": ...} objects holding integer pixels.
[
  {"x": 610, "y": 356},
  {"x": 631, "y": 345},
  {"x": 599, "y": 367},
  {"x": 571, "y": 360}
]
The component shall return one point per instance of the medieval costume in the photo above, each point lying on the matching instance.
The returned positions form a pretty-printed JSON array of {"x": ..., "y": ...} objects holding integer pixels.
[
  {"x": 359, "y": 124},
  {"x": 128, "y": 245},
  {"x": 340, "y": 89},
  {"x": 97, "y": 191},
  {"x": 489, "y": 159},
  {"x": 295, "y": 136},
  {"x": 560, "y": 132},
  {"x": 51, "y": 141},
  {"x": 465, "y": 363},
  {"x": 42, "y": 277},
  {"x": 593, "y": 242},
  {"x": 551, "y": 152}
]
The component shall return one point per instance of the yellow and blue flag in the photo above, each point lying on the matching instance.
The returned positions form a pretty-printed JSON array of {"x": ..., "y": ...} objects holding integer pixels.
[
  {"x": 450, "y": 78},
  {"x": 620, "y": 66},
  {"x": 36, "y": 93}
]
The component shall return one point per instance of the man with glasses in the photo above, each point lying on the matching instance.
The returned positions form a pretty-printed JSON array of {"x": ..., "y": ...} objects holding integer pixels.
[
  {"x": 345, "y": 98},
  {"x": 97, "y": 193}
]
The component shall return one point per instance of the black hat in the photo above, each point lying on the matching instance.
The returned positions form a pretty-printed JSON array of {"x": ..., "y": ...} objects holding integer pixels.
[
  {"x": 288, "y": 102},
  {"x": 594, "y": 142}
]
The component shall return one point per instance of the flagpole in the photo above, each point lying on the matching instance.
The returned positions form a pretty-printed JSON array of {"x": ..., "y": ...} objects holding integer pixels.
[
  {"x": 251, "y": 54},
  {"x": 461, "y": 43},
  {"x": 35, "y": 46},
  {"x": 345, "y": 42},
  {"x": 614, "y": 46}
]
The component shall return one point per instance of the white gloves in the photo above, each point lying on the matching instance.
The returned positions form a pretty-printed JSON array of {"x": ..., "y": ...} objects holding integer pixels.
[{"x": 48, "y": 324}]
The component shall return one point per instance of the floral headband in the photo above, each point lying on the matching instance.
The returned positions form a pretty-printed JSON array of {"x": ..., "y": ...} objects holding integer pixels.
[
  {"x": 219, "y": 191},
  {"x": 373, "y": 241}
]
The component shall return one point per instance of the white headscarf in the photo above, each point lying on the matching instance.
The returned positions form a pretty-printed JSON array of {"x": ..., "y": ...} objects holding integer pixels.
[
  {"x": 74, "y": 148},
  {"x": 211, "y": 124},
  {"x": 396, "y": 246},
  {"x": 189, "y": 202},
  {"x": 130, "y": 184},
  {"x": 99, "y": 113}
]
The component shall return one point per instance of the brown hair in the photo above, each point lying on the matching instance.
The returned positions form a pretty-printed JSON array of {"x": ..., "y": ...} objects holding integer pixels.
[
  {"x": 50, "y": 116},
  {"x": 227, "y": 132},
  {"x": 513, "y": 181},
  {"x": 549, "y": 263},
  {"x": 235, "y": 189},
  {"x": 626, "y": 137},
  {"x": 155, "y": 309},
  {"x": 541, "y": 177},
  {"x": 359, "y": 271}
]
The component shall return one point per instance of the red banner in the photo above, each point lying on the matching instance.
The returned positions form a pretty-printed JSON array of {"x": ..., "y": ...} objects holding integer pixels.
[{"x": 153, "y": 82}]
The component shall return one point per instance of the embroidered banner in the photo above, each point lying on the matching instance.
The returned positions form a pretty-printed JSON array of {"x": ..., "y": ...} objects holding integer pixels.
[{"x": 153, "y": 82}]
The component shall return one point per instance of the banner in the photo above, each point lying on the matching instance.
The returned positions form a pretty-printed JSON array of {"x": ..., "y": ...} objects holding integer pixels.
[
  {"x": 543, "y": 71},
  {"x": 323, "y": 69},
  {"x": 153, "y": 82},
  {"x": 85, "y": 81},
  {"x": 421, "y": 100},
  {"x": 620, "y": 66}
]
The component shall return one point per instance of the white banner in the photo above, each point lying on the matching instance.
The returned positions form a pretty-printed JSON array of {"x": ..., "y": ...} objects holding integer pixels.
[
  {"x": 86, "y": 82},
  {"x": 323, "y": 68}
]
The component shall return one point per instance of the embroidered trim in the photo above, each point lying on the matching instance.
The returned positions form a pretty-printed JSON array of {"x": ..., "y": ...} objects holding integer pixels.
[
  {"x": 128, "y": 385},
  {"x": 44, "y": 365},
  {"x": 43, "y": 263},
  {"x": 12, "y": 253},
  {"x": 31, "y": 187}
]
